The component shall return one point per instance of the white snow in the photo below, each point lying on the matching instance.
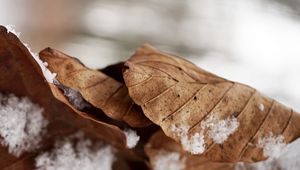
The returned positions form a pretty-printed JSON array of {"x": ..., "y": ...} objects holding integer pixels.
[
  {"x": 166, "y": 160},
  {"x": 21, "y": 124},
  {"x": 214, "y": 128},
  {"x": 194, "y": 144},
  {"x": 219, "y": 130},
  {"x": 11, "y": 28},
  {"x": 49, "y": 76},
  {"x": 77, "y": 153},
  {"x": 288, "y": 160},
  {"x": 272, "y": 145},
  {"x": 131, "y": 138},
  {"x": 261, "y": 107}
]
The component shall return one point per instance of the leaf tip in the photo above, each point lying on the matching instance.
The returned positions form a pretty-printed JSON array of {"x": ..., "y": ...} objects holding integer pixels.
[{"x": 145, "y": 49}]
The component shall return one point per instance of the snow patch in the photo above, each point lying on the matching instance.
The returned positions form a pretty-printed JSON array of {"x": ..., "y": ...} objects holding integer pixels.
[
  {"x": 219, "y": 130},
  {"x": 21, "y": 124},
  {"x": 76, "y": 153},
  {"x": 166, "y": 160},
  {"x": 272, "y": 145},
  {"x": 194, "y": 144},
  {"x": 288, "y": 160},
  {"x": 131, "y": 138},
  {"x": 49, "y": 76},
  {"x": 214, "y": 128}
]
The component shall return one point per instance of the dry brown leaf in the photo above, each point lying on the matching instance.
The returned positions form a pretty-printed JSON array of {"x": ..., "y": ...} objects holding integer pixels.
[
  {"x": 21, "y": 75},
  {"x": 176, "y": 93},
  {"x": 160, "y": 143},
  {"x": 98, "y": 89}
]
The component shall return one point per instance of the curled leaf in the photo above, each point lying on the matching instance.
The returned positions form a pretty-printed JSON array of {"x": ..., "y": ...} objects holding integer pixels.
[
  {"x": 21, "y": 75},
  {"x": 164, "y": 152},
  {"x": 98, "y": 89},
  {"x": 207, "y": 114}
]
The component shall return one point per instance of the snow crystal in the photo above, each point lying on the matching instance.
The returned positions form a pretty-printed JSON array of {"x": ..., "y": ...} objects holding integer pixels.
[
  {"x": 11, "y": 28},
  {"x": 49, "y": 76},
  {"x": 272, "y": 146},
  {"x": 194, "y": 144},
  {"x": 166, "y": 160},
  {"x": 74, "y": 97},
  {"x": 131, "y": 138},
  {"x": 76, "y": 153},
  {"x": 21, "y": 124},
  {"x": 219, "y": 130},
  {"x": 47, "y": 73},
  {"x": 261, "y": 107}
]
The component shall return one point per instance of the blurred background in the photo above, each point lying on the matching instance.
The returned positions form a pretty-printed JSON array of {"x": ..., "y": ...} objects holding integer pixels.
[{"x": 251, "y": 41}]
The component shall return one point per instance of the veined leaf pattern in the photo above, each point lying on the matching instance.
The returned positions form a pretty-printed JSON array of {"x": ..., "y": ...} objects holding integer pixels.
[
  {"x": 175, "y": 92},
  {"x": 98, "y": 89}
]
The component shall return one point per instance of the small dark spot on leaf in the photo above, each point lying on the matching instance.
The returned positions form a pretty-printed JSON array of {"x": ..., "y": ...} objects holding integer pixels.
[
  {"x": 195, "y": 98},
  {"x": 178, "y": 95},
  {"x": 69, "y": 66},
  {"x": 235, "y": 114}
]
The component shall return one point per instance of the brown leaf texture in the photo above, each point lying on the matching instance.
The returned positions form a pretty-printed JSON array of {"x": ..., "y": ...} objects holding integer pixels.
[
  {"x": 160, "y": 144},
  {"x": 21, "y": 75},
  {"x": 98, "y": 89},
  {"x": 176, "y": 93}
]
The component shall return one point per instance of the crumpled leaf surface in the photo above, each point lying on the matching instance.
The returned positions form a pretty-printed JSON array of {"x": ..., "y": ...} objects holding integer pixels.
[
  {"x": 159, "y": 142},
  {"x": 21, "y": 75},
  {"x": 98, "y": 89},
  {"x": 173, "y": 91}
]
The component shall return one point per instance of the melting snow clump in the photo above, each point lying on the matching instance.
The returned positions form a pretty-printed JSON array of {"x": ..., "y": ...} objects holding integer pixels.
[
  {"x": 194, "y": 144},
  {"x": 212, "y": 127},
  {"x": 76, "y": 153},
  {"x": 47, "y": 73},
  {"x": 21, "y": 124},
  {"x": 131, "y": 138},
  {"x": 272, "y": 145},
  {"x": 287, "y": 160},
  {"x": 74, "y": 97},
  {"x": 219, "y": 130},
  {"x": 165, "y": 160}
]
